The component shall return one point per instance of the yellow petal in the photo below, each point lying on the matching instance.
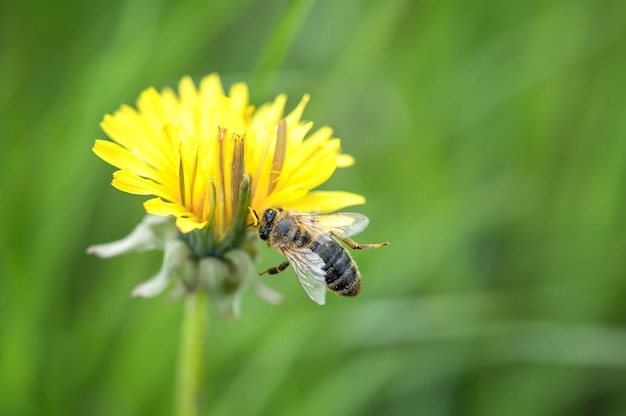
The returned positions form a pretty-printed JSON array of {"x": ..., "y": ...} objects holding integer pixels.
[
  {"x": 239, "y": 97},
  {"x": 278, "y": 199},
  {"x": 122, "y": 158},
  {"x": 135, "y": 134},
  {"x": 171, "y": 104},
  {"x": 294, "y": 117},
  {"x": 300, "y": 155},
  {"x": 128, "y": 128},
  {"x": 344, "y": 160},
  {"x": 187, "y": 93},
  {"x": 185, "y": 221},
  {"x": 266, "y": 117},
  {"x": 211, "y": 90},
  {"x": 154, "y": 109},
  {"x": 187, "y": 225},
  {"x": 133, "y": 184},
  {"x": 325, "y": 201},
  {"x": 156, "y": 206},
  {"x": 320, "y": 166},
  {"x": 297, "y": 133}
]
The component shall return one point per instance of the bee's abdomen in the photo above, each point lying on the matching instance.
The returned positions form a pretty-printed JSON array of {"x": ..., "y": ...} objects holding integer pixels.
[{"x": 342, "y": 276}]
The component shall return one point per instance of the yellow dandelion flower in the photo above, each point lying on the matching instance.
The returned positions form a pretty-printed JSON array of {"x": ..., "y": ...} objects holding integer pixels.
[{"x": 193, "y": 150}]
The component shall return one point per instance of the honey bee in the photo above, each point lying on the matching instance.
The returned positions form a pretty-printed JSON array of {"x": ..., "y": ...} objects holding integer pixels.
[{"x": 309, "y": 242}]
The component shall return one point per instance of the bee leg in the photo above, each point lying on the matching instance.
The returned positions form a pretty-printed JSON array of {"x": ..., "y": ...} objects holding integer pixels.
[
  {"x": 356, "y": 246},
  {"x": 277, "y": 269}
]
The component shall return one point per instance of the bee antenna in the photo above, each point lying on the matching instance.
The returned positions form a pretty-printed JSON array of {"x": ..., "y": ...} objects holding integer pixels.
[{"x": 255, "y": 219}]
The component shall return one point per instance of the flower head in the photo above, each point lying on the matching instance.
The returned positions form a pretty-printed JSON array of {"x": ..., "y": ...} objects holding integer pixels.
[
  {"x": 207, "y": 158},
  {"x": 191, "y": 151}
]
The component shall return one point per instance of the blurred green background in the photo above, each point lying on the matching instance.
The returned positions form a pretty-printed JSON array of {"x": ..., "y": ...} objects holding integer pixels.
[{"x": 490, "y": 143}]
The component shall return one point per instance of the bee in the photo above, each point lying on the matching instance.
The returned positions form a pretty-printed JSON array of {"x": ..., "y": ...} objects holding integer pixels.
[{"x": 309, "y": 242}]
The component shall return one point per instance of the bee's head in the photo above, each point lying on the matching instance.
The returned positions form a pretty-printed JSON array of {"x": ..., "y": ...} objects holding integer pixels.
[{"x": 267, "y": 222}]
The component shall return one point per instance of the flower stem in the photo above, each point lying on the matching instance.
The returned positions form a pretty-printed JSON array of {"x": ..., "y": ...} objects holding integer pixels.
[{"x": 191, "y": 358}]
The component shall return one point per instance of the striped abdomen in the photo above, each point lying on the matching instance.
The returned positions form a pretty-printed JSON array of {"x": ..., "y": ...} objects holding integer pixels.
[{"x": 342, "y": 276}]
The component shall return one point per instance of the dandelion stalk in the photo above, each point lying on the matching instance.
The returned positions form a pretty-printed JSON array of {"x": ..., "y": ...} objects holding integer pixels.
[{"x": 192, "y": 352}]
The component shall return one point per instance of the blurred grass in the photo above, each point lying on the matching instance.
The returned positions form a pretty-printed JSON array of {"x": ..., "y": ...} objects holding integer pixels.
[{"x": 489, "y": 140}]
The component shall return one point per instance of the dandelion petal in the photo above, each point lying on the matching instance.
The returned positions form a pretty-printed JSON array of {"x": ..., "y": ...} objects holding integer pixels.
[{"x": 325, "y": 201}]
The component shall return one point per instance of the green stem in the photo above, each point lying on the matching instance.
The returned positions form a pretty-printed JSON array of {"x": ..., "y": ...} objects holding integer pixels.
[{"x": 191, "y": 358}]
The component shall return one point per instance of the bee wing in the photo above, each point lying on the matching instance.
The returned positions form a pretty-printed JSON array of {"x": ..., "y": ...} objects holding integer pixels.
[
  {"x": 309, "y": 271},
  {"x": 341, "y": 223}
]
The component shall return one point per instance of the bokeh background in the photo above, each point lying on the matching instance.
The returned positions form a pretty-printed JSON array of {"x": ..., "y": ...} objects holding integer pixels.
[{"x": 490, "y": 140}]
